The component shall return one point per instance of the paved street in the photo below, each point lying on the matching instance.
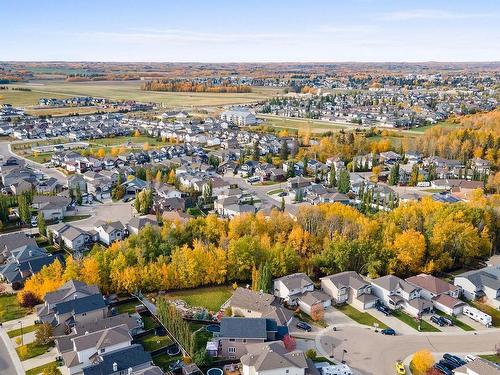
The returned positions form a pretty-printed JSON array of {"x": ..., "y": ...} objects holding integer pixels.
[
  {"x": 6, "y": 152},
  {"x": 9, "y": 361}
]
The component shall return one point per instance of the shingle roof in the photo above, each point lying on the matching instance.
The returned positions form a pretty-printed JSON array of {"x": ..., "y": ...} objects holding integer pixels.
[
  {"x": 391, "y": 282},
  {"x": 272, "y": 356},
  {"x": 243, "y": 328},
  {"x": 431, "y": 283},
  {"x": 479, "y": 366},
  {"x": 81, "y": 305},
  {"x": 131, "y": 356},
  {"x": 103, "y": 339},
  {"x": 68, "y": 289},
  {"x": 295, "y": 280}
]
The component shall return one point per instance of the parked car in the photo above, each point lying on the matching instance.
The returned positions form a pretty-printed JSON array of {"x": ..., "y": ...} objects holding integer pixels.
[
  {"x": 304, "y": 326},
  {"x": 448, "y": 364},
  {"x": 283, "y": 194},
  {"x": 400, "y": 368},
  {"x": 470, "y": 358},
  {"x": 453, "y": 358},
  {"x": 446, "y": 320},
  {"x": 384, "y": 310},
  {"x": 388, "y": 331},
  {"x": 437, "y": 320},
  {"x": 34, "y": 221},
  {"x": 254, "y": 179},
  {"x": 442, "y": 369}
]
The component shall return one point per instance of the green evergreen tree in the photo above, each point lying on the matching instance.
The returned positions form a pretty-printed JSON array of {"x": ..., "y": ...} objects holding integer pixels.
[
  {"x": 344, "y": 183},
  {"x": 42, "y": 226}
]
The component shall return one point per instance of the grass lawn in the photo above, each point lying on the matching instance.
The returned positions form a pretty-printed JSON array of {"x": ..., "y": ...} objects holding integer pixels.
[
  {"x": 200, "y": 339},
  {"x": 115, "y": 141},
  {"x": 149, "y": 322},
  {"x": 316, "y": 126},
  {"x": 455, "y": 321},
  {"x": 491, "y": 357},
  {"x": 495, "y": 314},
  {"x": 17, "y": 332},
  {"x": 153, "y": 342},
  {"x": 40, "y": 157},
  {"x": 194, "y": 212},
  {"x": 307, "y": 319},
  {"x": 38, "y": 370},
  {"x": 210, "y": 297},
  {"x": 10, "y": 309},
  {"x": 163, "y": 360},
  {"x": 68, "y": 219},
  {"x": 195, "y": 326},
  {"x": 405, "y": 318},
  {"x": 34, "y": 350},
  {"x": 128, "y": 307},
  {"x": 51, "y": 249},
  {"x": 360, "y": 317}
]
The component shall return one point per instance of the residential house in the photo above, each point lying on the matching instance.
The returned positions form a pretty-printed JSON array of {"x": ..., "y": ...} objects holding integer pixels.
[
  {"x": 11, "y": 241},
  {"x": 349, "y": 287},
  {"x": 80, "y": 310},
  {"x": 109, "y": 232},
  {"x": 239, "y": 116},
  {"x": 400, "y": 294},
  {"x": 291, "y": 287},
  {"x": 138, "y": 222},
  {"x": 273, "y": 358},
  {"x": 130, "y": 360},
  {"x": 71, "y": 290},
  {"x": 443, "y": 295},
  {"x": 250, "y": 304},
  {"x": 236, "y": 333},
  {"x": 52, "y": 207},
  {"x": 482, "y": 283},
  {"x": 72, "y": 237},
  {"x": 478, "y": 366}
]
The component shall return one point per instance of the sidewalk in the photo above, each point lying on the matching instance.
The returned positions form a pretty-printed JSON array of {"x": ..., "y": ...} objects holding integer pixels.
[
  {"x": 11, "y": 352},
  {"x": 40, "y": 360},
  {"x": 27, "y": 320}
]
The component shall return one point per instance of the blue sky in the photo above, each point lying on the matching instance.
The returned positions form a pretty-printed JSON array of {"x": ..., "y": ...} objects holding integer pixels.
[{"x": 250, "y": 30}]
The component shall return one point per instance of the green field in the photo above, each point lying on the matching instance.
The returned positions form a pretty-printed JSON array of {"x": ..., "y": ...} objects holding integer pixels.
[
  {"x": 360, "y": 317},
  {"x": 211, "y": 297},
  {"x": 10, "y": 309},
  {"x": 315, "y": 126},
  {"x": 118, "y": 141},
  {"x": 491, "y": 357},
  {"x": 128, "y": 90},
  {"x": 153, "y": 342}
]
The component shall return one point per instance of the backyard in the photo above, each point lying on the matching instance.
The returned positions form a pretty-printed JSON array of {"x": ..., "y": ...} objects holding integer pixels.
[
  {"x": 360, "y": 317},
  {"x": 210, "y": 298},
  {"x": 164, "y": 360},
  {"x": 152, "y": 342},
  {"x": 10, "y": 309}
]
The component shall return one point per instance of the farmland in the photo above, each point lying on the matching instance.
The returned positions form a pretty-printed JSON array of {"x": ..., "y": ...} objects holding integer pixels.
[{"x": 127, "y": 90}]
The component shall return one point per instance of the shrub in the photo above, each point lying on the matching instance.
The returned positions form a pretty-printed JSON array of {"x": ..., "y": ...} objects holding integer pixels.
[
  {"x": 311, "y": 354},
  {"x": 27, "y": 299}
]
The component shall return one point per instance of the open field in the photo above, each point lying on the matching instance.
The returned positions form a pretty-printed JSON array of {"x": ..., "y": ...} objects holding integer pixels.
[
  {"x": 316, "y": 126},
  {"x": 128, "y": 90},
  {"x": 210, "y": 297}
]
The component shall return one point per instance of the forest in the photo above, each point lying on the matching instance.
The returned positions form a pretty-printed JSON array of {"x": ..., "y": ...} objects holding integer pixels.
[
  {"x": 416, "y": 237},
  {"x": 191, "y": 86}
]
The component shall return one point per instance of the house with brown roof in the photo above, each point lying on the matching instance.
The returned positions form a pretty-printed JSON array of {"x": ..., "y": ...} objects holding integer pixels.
[{"x": 443, "y": 295}]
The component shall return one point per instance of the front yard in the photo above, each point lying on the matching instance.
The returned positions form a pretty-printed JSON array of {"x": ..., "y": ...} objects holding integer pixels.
[
  {"x": 10, "y": 309},
  {"x": 17, "y": 332},
  {"x": 32, "y": 350},
  {"x": 405, "y": 318},
  {"x": 39, "y": 370},
  {"x": 210, "y": 298},
  {"x": 360, "y": 317}
]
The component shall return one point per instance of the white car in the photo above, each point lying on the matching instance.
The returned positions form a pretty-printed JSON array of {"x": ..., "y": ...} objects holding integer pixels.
[{"x": 469, "y": 358}]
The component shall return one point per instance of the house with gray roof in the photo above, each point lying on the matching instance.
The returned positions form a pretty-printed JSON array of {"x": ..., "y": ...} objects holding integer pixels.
[
  {"x": 478, "y": 366},
  {"x": 138, "y": 222},
  {"x": 71, "y": 290},
  {"x": 397, "y": 294},
  {"x": 52, "y": 206},
  {"x": 236, "y": 333},
  {"x": 11, "y": 241},
  {"x": 132, "y": 358},
  {"x": 273, "y": 358},
  {"x": 80, "y": 310},
  {"x": 291, "y": 287},
  {"x": 349, "y": 287},
  {"x": 250, "y": 304},
  {"x": 483, "y": 283},
  {"x": 109, "y": 232},
  {"x": 72, "y": 237},
  {"x": 88, "y": 346}
]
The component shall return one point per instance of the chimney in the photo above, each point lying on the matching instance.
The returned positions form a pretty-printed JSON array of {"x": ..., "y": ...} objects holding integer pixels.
[
  {"x": 115, "y": 366},
  {"x": 30, "y": 253},
  {"x": 130, "y": 371},
  {"x": 75, "y": 296}
]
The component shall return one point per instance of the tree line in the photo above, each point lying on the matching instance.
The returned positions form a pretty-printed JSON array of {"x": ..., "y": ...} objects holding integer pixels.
[{"x": 189, "y": 86}]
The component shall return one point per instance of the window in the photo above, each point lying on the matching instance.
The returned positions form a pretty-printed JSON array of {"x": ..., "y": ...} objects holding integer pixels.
[
  {"x": 231, "y": 349},
  {"x": 231, "y": 340}
]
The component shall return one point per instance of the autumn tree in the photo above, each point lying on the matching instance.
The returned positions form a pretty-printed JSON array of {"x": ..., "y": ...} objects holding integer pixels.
[
  {"x": 43, "y": 334},
  {"x": 422, "y": 361},
  {"x": 317, "y": 312}
]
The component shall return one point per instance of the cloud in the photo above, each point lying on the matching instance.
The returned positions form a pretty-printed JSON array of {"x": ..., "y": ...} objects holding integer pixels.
[{"x": 431, "y": 14}]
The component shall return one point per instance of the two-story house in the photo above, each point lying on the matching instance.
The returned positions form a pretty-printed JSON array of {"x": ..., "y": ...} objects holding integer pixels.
[
  {"x": 291, "y": 287},
  {"x": 443, "y": 295},
  {"x": 400, "y": 294},
  {"x": 349, "y": 287},
  {"x": 482, "y": 283},
  {"x": 110, "y": 232}
]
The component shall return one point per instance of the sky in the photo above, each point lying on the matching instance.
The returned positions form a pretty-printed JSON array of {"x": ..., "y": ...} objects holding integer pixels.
[{"x": 250, "y": 30}]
